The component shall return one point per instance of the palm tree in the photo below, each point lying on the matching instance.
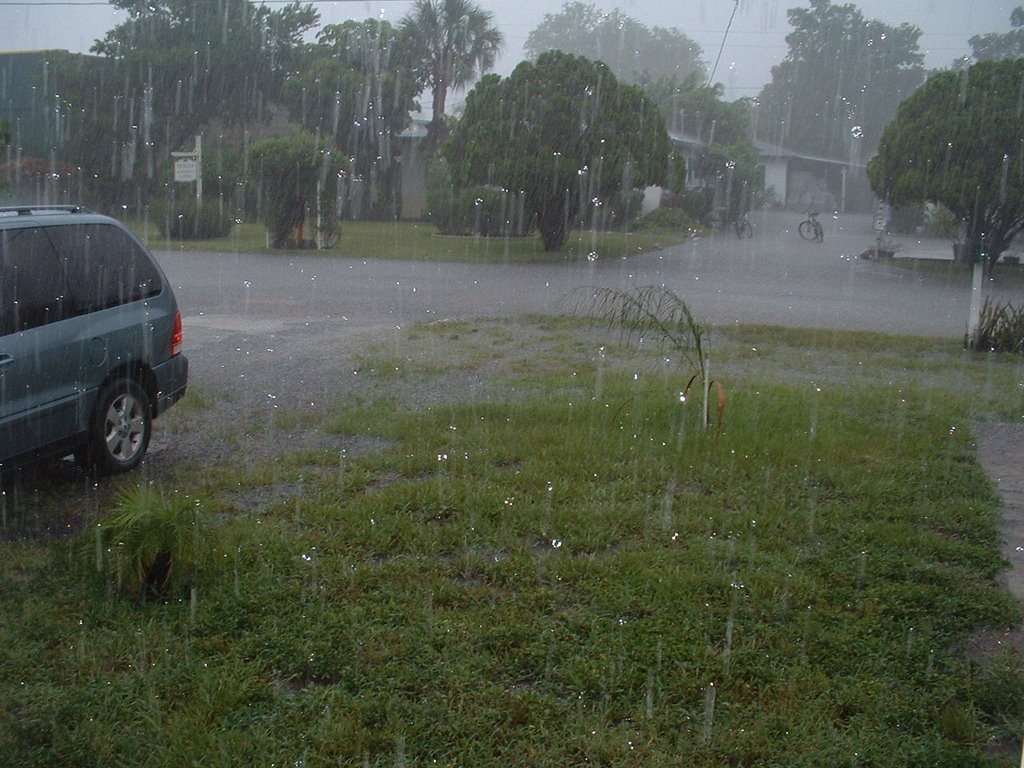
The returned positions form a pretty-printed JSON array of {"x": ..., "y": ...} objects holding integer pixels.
[{"x": 451, "y": 41}]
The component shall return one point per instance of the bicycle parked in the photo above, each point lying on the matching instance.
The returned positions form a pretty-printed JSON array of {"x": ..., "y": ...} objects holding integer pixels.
[
  {"x": 810, "y": 228},
  {"x": 740, "y": 225},
  {"x": 743, "y": 227}
]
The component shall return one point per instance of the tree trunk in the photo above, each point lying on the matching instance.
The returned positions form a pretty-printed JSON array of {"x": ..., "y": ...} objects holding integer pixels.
[
  {"x": 437, "y": 131},
  {"x": 553, "y": 219},
  {"x": 552, "y": 234}
]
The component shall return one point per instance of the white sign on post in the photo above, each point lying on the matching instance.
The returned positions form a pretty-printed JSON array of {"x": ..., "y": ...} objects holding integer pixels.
[
  {"x": 188, "y": 167},
  {"x": 185, "y": 169}
]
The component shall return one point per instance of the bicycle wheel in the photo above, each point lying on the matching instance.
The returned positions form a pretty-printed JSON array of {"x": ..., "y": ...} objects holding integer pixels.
[
  {"x": 744, "y": 229},
  {"x": 807, "y": 229},
  {"x": 819, "y": 232}
]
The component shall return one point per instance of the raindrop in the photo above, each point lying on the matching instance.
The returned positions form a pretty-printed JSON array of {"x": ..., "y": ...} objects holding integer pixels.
[
  {"x": 709, "y": 713},
  {"x": 857, "y": 132},
  {"x": 727, "y": 650},
  {"x": 649, "y": 701}
]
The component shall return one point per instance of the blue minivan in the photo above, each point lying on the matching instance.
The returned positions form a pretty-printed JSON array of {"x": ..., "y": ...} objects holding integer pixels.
[{"x": 90, "y": 339}]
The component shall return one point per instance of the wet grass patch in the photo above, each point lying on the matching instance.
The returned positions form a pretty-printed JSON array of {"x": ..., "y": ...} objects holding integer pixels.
[
  {"x": 419, "y": 241},
  {"x": 565, "y": 570}
]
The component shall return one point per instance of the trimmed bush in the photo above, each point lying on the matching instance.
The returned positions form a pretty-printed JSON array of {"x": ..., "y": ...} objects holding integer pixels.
[
  {"x": 668, "y": 218},
  {"x": 186, "y": 220},
  {"x": 696, "y": 203},
  {"x": 481, "y": 211},
  {"x": 622, "y": 211}
]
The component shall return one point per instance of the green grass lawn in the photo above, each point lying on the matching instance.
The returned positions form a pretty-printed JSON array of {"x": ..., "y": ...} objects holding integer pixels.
[
  {"x": 562, "y": 570},
  {"x": 420, "y": 240}
]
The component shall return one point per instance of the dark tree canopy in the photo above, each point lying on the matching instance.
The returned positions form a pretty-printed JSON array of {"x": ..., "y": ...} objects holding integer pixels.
[
  {"x": 206, "y": 58},
  {"x": 633, "y": 52},
  {"x": 357, "y": 92},
  {"x": 560, "y": 131},
  {"x": 163, "y": 75},
  {"x": 840, "y": 83},
  {"x": 1007, "y": 45},
  {"x": 959, "y": 141},
  {"x": 451, "y": 41}
]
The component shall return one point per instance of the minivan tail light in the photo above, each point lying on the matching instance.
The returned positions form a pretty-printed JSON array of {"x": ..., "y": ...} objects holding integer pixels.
[{"x": 177, "y": 337}]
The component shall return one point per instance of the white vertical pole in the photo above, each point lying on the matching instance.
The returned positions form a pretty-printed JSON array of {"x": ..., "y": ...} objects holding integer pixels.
[
  {"x": 974, "y": 316},
  {"x": 199, "y": 170}
]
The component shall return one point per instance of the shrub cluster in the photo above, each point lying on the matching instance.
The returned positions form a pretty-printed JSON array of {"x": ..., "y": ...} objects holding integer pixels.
[
  {"x": 668, "y": 218},
  {"x": 187, "y": 220},
  {"x": 621, "y": 211},
  {"x": 1001, "y": 328},
  {"x": 479, "y": 211},
  {"x": 483, "y": 211},
  {"x": 696, "y": 203}
]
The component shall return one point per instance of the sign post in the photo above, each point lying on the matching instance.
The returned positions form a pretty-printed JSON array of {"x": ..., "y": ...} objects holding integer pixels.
[
  {"x": 188, "y": 167},
  {"x": 883, "y": 214}
]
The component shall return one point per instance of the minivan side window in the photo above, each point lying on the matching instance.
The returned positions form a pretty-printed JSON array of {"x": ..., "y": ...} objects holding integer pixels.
[
  {"x": 32, "y": 282},
  {"x": 105, "y": 266}
]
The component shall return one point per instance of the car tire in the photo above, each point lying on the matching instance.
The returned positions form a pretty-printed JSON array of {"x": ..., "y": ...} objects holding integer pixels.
[{"x": 119, "y": 430}]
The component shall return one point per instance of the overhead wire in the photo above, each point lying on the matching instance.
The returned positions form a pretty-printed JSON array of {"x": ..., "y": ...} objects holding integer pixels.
[{"x": 728, "y": 26}]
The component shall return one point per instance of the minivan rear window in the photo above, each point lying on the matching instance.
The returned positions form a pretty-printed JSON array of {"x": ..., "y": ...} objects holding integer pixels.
[{"x": 105, "y": 266}]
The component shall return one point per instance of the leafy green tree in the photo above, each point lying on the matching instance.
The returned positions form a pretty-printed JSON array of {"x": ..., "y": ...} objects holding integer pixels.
[
  {"x": 164, "y": 74},
  {"x": 205, "y": 58},
  {"x": 453, "y": 41},
  {"x": 840, "y": 83},
  {"x": 696, "y": 108},
  {"x": 667, "y": 65},
  {"x": 562, "y": 132},
  {"x": 633, "y": 52},
  {"x": 292, "y": 171},
  {"x": 959, "y": 141},
  {"x": 357, "y": 91},
  {"x": 1008, "y": 45},
  {"x": 725, "y": 167}
]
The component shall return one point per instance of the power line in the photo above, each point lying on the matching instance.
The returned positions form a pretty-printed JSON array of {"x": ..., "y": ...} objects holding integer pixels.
[{"x": 728, "y": 26}]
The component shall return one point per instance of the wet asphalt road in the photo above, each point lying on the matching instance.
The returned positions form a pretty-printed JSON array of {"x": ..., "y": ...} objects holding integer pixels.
[
  {"x": 268, "y": 316},
  {"x": 774, "y": 278}
]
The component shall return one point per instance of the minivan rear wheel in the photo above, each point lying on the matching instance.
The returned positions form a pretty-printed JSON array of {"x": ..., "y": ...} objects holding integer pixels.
[{"x": 121, "y": 427}]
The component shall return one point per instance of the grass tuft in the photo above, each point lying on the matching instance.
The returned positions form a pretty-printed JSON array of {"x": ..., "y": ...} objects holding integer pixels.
[{"x": 152, "y": 545}]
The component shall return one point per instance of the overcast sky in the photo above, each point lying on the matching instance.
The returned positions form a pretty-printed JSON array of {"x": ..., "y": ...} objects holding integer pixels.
[{"x": 755, "y": 41}]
